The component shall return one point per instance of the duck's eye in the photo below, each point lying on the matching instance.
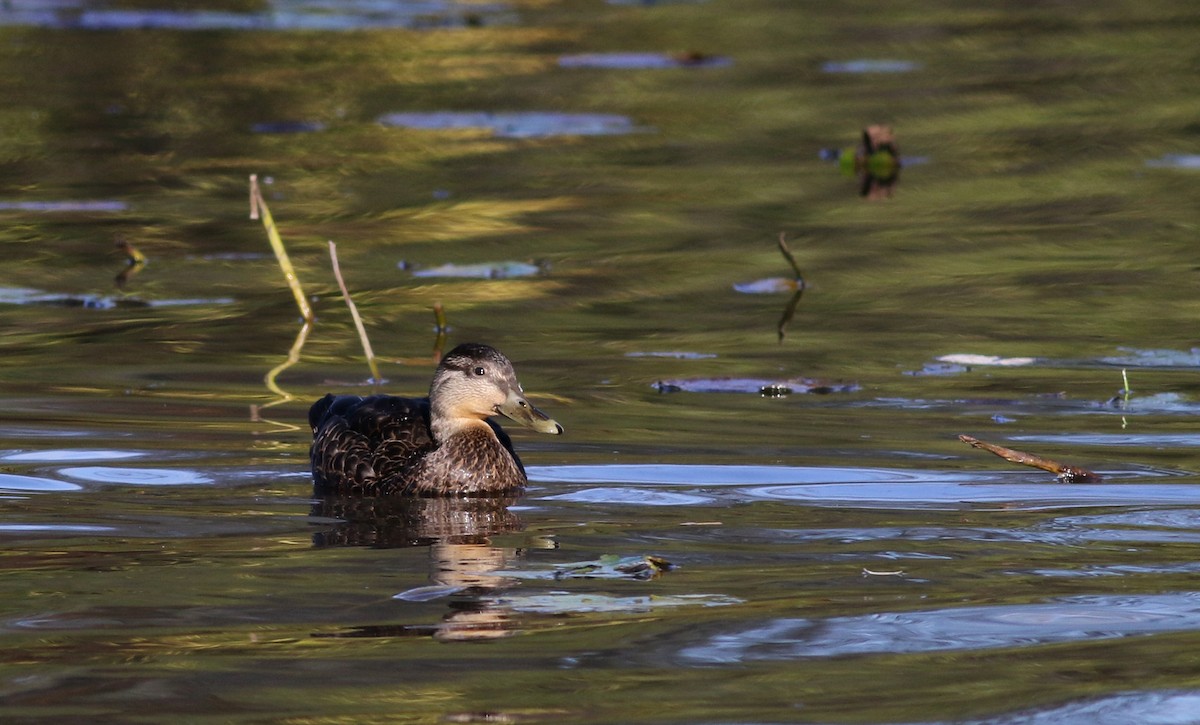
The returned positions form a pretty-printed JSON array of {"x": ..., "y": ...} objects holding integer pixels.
[{"x": 480, "y": 371}]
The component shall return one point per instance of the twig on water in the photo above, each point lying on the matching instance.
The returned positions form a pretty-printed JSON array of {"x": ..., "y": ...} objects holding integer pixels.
[
  {"x": 358, "y": 323},
  {"x": 790, "y": 311},
  {"x": 258, "y": 209},
  {"x": 1066, "y": 474},
  {"x": 787, "y": 254}
]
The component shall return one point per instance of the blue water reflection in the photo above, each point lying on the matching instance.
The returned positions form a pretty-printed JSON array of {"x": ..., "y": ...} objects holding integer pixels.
[
  {"x": 137, "y": 476},
  {"x": 282, "y": 15},
  {"x": 836, "y": 486},
  {"x": 1083, "y": 618}
]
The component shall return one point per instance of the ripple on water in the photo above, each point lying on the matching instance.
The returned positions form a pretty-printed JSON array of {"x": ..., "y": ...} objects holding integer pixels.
[
  {"x": 1084, "y": 618},
  {"x": 864, "y": 487},
  {"x": 137, "y": 476},
  {"x": 1168, "y": 707}
]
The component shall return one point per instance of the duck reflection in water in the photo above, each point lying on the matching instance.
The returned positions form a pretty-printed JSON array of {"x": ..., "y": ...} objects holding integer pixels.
[
  {"x": 463, "y": 564},
  {"x": 397, "y": 472}
]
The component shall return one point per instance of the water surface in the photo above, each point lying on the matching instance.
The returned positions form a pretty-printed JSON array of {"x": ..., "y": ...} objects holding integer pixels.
[{"x": 760, "y": 512}]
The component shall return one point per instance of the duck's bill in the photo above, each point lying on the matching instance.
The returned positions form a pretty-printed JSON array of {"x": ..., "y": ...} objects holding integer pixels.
[{"x": 519, "y": 410}]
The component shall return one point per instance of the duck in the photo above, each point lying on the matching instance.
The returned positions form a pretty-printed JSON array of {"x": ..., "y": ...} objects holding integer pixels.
[{"x": 442, "y": 445}]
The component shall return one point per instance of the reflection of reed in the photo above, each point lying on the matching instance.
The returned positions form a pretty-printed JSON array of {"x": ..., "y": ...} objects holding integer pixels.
[
  {"x": 135, "y": 261},
  {"x": 270, "y": 378},
  {"x": 463, "y": 563}
]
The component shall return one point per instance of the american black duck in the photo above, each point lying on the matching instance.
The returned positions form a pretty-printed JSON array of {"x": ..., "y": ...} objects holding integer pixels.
[{"x": 442, "y": 445}]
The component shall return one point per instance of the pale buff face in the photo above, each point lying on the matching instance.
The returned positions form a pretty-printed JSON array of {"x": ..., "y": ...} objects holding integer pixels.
[{"x": 474, "y": 382}]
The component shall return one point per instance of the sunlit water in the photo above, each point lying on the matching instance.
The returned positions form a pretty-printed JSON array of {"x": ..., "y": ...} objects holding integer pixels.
[{"x": 760, "y": 511}]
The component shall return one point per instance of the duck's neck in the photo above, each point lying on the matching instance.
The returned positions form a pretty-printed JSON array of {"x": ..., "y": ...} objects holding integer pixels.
[{"x": 443, "y": 429}]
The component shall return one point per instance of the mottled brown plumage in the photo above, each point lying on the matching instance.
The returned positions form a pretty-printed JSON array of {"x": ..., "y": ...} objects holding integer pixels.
[{"x": 443, "y": 445}]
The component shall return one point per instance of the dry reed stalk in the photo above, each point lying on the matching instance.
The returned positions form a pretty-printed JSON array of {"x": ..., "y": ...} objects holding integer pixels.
[
  {"x": 258, "y": 209},
  {"x": 358, "y": 323}
]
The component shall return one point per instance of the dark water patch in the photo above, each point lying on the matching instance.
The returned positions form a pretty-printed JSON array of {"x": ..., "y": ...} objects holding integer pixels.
[
  {"x": 867, "y": 65},
  {"x": 531, "y": 124},
  {"x": 66, "y": 207},
  {"x": 760, "y": 386},
  {"x": 639, "y": 61},
  {"x": 284, "y": 15},
  {"x": 1070, "y": 619},
  {"x": 288, "y": 127},
  {"x": 482, "y": 270},
  {"x": 233, "y": 256}
]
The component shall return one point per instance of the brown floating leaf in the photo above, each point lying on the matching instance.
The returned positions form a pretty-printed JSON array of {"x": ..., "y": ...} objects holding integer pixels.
[{"x": 1066, "y": 474}]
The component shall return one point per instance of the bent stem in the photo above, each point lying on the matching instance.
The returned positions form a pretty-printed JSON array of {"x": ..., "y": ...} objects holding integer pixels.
[
  {"x": 358, "y": 323},
  {"x": 258, "y": 209}
]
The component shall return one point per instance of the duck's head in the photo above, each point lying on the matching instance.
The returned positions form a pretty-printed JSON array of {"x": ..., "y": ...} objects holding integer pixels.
[{"x": 474, "y": 382}]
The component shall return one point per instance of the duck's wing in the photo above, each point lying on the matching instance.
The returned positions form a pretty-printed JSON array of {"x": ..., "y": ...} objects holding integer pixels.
[{"x": 358, "y": 442}]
